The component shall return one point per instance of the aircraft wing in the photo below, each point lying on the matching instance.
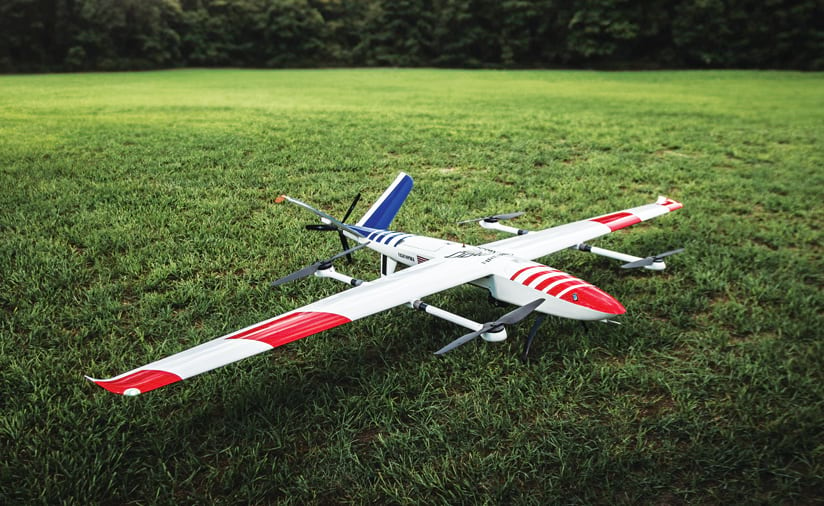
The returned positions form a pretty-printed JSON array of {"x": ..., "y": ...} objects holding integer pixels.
[
  {"x": 545, "y": 242},
  {"x": 399, "y": 288}
]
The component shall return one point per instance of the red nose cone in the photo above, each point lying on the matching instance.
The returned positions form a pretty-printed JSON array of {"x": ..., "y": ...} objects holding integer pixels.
[{"x": 594, "y": 298}]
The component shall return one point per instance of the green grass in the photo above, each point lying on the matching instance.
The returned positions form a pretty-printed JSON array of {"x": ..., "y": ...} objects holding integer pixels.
[{"x": 137, "y": 220}]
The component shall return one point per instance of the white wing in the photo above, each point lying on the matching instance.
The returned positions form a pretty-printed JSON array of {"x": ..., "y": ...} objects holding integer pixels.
[
  {"x": 545, "y": 242},
  {"x": 387, "y": 292}
]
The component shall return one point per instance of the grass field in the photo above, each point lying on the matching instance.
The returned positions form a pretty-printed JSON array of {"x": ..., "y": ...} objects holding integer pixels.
[{"x": 137, "y": 220}]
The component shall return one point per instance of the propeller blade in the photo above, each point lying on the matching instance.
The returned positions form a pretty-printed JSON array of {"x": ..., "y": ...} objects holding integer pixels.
[
  {"x": 495, "y": 217},
  {"x": 639, "y": 263},
  {"x": 507, "y": 216},
  {"x": 462, "y": 340},
  {"x": 344, "y": 243},
  {"x": 519, "y": 314},
  {"x": 320, "y": 227},
  {"x": 313, "y": 268},
  {"x": 351, "y": 208},
  {"x": 299, "y": 274},
  {"x": 668, "y": 253},
  {"x": 651, "y": 260},
  {"x": 347, "y": 252},
  {"x": 508, "y": 319},
  {"x": 338, "y": 226},
  {"x": 332, "y": 220}
]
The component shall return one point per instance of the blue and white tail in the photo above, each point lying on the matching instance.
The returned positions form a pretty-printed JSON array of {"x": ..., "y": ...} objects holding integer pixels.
[{"x": 383, "y": 211}]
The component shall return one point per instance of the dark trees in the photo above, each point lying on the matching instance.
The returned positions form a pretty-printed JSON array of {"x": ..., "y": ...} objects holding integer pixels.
[{"x": 49, "y": 35}]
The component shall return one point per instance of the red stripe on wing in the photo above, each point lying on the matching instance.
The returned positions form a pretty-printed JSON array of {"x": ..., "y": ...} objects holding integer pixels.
[
  {"x": 139, "y": 382},
  {"x": 617, "y": 221},
  {"x": 291, "y": 327}
]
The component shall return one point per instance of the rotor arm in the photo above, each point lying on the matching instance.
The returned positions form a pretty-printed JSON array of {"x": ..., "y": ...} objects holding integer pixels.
[
  {"x": 496, "y": 225},
  {"x": 658, "y": 265},
  {"x": 493, "y": 223},
  {"x": 446, "y": 315},
  {"x": 331, "y": 273}
]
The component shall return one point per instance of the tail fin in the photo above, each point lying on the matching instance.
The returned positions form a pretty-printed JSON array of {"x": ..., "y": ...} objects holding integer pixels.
[{"x": 383, "y": 211}]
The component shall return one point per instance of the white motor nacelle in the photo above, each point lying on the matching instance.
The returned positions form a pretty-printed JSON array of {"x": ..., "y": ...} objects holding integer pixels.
[{"x": 494, "y": 337}]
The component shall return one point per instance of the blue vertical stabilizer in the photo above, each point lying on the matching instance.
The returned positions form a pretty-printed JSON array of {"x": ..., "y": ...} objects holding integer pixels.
[{"x": 383, "y": 211}]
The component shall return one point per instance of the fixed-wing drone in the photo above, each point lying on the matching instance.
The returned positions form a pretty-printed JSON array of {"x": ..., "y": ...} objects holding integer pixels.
[{"x": 505, "y": 268}]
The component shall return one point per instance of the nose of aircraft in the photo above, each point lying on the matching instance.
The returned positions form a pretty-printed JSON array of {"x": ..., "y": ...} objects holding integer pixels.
[{"x": 594, "y": 298}]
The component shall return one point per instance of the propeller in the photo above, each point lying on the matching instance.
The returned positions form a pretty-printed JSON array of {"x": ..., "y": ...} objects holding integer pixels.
[
  {"x": 323, "y": 227},
  {"x": 508, "y": 319},
  {"x": 315, "y": 267},
  {"x": 651, "y": 260},
  {"x": 494, "y": 218}
]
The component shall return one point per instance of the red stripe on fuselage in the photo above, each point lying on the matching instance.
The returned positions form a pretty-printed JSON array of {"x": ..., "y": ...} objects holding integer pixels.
[
  {"x": 535, "y": 276},
  {"x": 292, "y": 327},
  {"x": 524, "y": 270},
  {"x": 143, "y": 381},
  {"x": 552, "y": 279},
  {"x": 555, "y": 290},
  {"x": 617, "y": 221}
]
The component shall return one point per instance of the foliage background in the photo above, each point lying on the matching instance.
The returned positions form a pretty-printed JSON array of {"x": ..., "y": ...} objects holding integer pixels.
[{"x": 69, "y": 35}]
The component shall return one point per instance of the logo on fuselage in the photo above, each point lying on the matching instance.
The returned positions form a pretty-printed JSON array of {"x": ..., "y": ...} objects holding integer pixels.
[{"x": 474, "y": 252}]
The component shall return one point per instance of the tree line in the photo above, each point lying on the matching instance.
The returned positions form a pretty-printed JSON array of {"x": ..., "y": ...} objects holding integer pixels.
[{"x": 77, "y": 35}]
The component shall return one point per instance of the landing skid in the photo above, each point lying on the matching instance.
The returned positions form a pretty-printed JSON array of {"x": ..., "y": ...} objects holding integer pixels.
[{"x": 532, "y": 331}]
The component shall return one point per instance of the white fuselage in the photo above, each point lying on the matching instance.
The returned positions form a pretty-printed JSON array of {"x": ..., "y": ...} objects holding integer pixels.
[{"x": 515, "y": 280}]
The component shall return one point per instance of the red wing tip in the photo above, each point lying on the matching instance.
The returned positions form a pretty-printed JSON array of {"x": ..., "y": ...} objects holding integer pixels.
[
  {"x": 137, "y": 382},
  {"x": 670, "y": 204}
]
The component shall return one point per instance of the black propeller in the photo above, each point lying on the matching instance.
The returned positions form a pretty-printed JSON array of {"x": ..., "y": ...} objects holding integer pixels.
[
  {"x": 323, "y": 227},
  {"x": 495, "y": 217},
  {"x": 311, "y": 269},
  {"x": 651, "y": 260},
  {"x": 508, "y": 319}
]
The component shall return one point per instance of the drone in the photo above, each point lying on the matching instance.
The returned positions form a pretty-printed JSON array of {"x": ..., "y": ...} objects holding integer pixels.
[{"x": 413, "y": 267}]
